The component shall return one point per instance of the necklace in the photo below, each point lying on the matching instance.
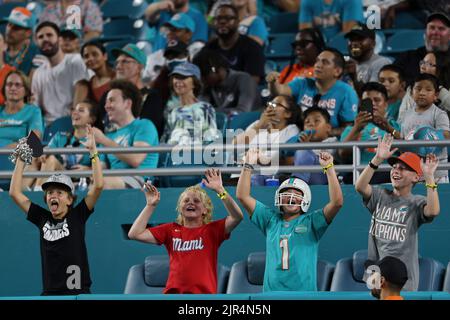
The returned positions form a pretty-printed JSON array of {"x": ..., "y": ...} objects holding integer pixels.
[{"x": 17, "y": 60}]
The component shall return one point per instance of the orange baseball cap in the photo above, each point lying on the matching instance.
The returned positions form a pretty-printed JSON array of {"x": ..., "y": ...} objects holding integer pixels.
[{"x": 410, "y": 159}]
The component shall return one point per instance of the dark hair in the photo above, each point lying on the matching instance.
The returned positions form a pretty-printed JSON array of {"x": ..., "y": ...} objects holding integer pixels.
[
  {"x": 94, "y": 112},
  {"x": 443, "y": 68},
  {"x": 394, "y": 68},
  {"x": 93, "y": 43},
  {"x": 375, "y": 86},
  {"x": 295, "y": 110},
  {"x": 50, "y": 24},
  {"x": 129, "y": 91},
  {"x": 428, "y": 77},
  {"x": 25, "y": 82},
  {"x": 197, "y": 85},
  {"x": 322, "y": 111},
  {"x": 229, "y": 6},
  {"x": 339, "y": 60},
  {"x": 318, "y": 41},
  {"x": 209, "y": 61}
]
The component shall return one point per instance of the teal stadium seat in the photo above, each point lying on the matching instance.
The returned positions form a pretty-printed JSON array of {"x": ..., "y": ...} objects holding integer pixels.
[
  {"x": 283, "y": 22},
  {"x": 243, "y": 120},
  {"x": 222, "y": 122},
  {"x": 248, "y": 276},
  {"x": 279, "y": 46},
  {"x": 151, "y": 276},
  {"x": 404, "y": 40},
  {"x": 63, "y": 124},
  {"x": 130, "y": 9},
  {"x": 125, "y": 29},
  {"x": 349, "y": 272},
  {"x": 446, "y": 286}
]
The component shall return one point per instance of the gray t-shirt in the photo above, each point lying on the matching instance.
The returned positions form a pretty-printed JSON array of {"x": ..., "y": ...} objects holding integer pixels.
[
  {"x": 368, "y": 70},
  {"x": 393, "y": 229}
]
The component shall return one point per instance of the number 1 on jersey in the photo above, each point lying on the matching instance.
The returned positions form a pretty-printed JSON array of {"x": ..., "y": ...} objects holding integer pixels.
[{"x": 284, "y": 245}]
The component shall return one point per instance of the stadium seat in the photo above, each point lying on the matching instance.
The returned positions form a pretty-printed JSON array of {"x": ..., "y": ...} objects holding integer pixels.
[
  {"x": 222, "y": 122},
  {"x": 243, "y": 120},
  {"x": 349, "y": 272},
  {"x": 5, "y": 165},
  {"x": 412, "y": 19},
  {"x": 125, "y": 29},
  {"x": 63, "y": 124},
  {"x": 283, "y": 22},
  {"x": 151, "y": 276},
  {"x": 279, "y": 46},
  {"x": 404, "y": 40},
  {"x": 248, "y": 276},
  {"x": 130, "y": 9},
  {"x": 446, "y": 286},
  {"x": 339, "y": 42}
]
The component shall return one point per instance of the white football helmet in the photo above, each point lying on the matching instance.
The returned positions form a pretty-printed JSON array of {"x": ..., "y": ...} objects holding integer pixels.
[{"x": 297, "y": 184}]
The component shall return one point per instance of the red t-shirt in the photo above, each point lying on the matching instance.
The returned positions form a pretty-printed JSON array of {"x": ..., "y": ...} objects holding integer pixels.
[{"x": 193, "y": 255}]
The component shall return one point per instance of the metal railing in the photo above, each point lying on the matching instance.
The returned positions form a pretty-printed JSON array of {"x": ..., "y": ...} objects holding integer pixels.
[{"x": 355, "y": 167}]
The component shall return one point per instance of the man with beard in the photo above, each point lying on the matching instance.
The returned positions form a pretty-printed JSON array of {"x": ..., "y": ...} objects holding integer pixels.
[
  {"x": 437, "y": 38},
  {"x": 392, "y": 276},
  {"x": 158, "y": 13},
  {"x": 21, "y": 49},
  {"x": 242, "y": 52},
  {"x": 365, "y": 64},
  {"x": 54, "y": 82}
]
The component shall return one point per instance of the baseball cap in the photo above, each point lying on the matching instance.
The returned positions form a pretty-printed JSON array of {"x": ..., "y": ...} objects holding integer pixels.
[
  {"x": 175, "y": 47},
  {"x": 59, "y": 180},
  {"x": 132, "y": 51},
  {"x": 441, "y": 16},
  {"x": 181, "y": 21},
  {"x": 362, "y": 31},
  {"x": 410, "y": 159},
  {"x": 392, "y": 269},
  {"x": 21, "y": 17},
  {"x": 71, "y": 32},
  {"x": 187, "y": 69}
]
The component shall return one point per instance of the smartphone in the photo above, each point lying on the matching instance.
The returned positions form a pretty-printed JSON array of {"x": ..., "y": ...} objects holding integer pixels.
[{"x": 366, "y": 105}]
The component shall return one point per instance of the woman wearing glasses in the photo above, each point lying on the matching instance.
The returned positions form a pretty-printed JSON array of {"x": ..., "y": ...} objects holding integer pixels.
[
  {"x": 17, "y": 116},
  {"x": 437, "y": 64},
  {"x": 280, "y": 122},
  {"x": 305, "y": 49}
]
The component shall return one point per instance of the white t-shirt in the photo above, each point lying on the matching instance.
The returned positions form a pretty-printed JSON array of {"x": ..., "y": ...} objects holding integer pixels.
[{"x": 54, "y": 87}]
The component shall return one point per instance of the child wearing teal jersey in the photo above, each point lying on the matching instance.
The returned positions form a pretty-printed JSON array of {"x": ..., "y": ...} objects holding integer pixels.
[{"x": 292, "y": 234}]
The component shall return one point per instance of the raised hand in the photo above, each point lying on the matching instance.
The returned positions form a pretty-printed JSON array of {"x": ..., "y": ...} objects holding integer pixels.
[
  {"x": 152, "y": 194},
  {"x": 384, "y": 147},
  {"x": 429, "y": 166},
  {"x": 213, "y": 180},
  {"x": 362, "y": 119},
  {"x": 90, "y": 138},
  {"x": 266, "y": 119},
  {"x": 325, "y": 158}
]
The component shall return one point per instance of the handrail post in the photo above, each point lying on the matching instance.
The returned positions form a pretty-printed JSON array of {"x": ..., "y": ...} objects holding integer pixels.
[{"x": 356, "y": 163}]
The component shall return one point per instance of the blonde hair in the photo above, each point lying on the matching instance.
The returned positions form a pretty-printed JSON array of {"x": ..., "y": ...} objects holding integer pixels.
[{"x": 204, "y": 198}]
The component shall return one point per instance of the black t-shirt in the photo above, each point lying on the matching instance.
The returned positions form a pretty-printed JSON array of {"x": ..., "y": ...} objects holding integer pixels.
[
  {"x": 62, "y": 247},
  {"x": 153, "y": 108},
  {"x": 246, "y": 55}
]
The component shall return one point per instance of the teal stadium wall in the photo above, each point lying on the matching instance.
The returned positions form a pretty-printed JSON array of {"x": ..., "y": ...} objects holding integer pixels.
[{"x": 111, "y": 254}]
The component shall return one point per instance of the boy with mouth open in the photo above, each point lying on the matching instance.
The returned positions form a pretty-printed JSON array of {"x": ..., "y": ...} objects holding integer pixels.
[
  {"x": 292, "y": 234},
  {"x": 397, "y": 214},
  {"x": 65, "y": 267}
]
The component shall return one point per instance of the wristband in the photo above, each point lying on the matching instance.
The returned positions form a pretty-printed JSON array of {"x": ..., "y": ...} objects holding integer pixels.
[
  {"x": 393, "y": 133},
  {"x": 222, "y": 195},
  {"x": 325, "y": 169},
  {"x": 248, "y": 166},
  {"x": 374, "y": 167},
  {"x": 432, "y": 186},
  {"x": 94, "y": 157}
]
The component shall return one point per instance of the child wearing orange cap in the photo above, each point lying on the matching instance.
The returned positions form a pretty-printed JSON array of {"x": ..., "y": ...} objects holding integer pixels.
[{"x": 397, "y": 214}]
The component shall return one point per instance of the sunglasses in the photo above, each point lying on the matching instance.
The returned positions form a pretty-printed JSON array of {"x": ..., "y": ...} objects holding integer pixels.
[{"x": 274, "y": 104}]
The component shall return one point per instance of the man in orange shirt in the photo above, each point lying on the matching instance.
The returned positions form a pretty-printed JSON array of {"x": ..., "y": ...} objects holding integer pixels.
[{"x": 387, "y": 278}]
